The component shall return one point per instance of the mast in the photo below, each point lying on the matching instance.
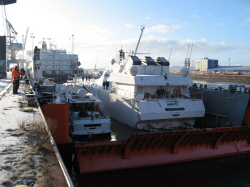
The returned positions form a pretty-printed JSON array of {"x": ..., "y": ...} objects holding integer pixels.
[{"x": 139, "y": 41}]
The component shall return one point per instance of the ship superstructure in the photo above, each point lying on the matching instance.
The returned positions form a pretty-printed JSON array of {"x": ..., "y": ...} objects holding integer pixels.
[
  {"x": 142, "y": 94},
  {"x": 53, "y": 63}
]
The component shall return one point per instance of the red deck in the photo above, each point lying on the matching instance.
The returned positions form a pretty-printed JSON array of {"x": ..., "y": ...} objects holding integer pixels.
[{"x": 148, "y": 149}]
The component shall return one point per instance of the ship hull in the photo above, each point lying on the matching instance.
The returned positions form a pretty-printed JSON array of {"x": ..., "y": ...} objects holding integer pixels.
[
  {"x": 222, "y": 107},
  {"x": 149, "y": 114},
  {"x": 148, "y": 149}
]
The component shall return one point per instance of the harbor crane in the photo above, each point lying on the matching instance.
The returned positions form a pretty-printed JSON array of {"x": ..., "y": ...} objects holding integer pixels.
[
  {"x": 187, "y": 59},
  {"x": 12, "y": 45}
]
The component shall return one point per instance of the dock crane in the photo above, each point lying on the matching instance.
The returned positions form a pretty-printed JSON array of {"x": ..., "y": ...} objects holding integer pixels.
[
  {"x": 187, "y": 59},
  {"x": 25, "y": 39},
  {"x": 12, "y": 44}
]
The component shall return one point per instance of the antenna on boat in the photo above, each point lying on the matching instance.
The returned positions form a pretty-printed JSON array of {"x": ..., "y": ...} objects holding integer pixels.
[
  {"x": 170, "y": 54},
  {"x": 143, "y": 27}
]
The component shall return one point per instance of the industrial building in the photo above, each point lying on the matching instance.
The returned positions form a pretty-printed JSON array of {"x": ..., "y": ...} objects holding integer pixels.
[
  {"x": 211, "y": 66},
  {"x": 205, "y": 64}
]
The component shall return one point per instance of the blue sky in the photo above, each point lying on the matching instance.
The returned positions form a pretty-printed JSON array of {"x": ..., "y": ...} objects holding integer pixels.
[{"x": 218, "y": 29}]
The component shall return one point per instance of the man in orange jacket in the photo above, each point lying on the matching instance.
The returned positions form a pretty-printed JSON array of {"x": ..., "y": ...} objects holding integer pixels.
[{"x": 15, "y": 78}]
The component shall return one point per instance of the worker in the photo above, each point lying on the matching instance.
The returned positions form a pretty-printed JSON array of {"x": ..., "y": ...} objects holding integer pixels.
[
  {"x": 23, "y": 72},
  {"x": 15, "y": 79},
  {"x": 97, "y": 107}
]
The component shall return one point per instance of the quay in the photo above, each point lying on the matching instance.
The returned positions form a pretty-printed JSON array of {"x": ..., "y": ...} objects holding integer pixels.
[
  {"x": 27, "y": 159},
  {"x": 244, "y": 79}
]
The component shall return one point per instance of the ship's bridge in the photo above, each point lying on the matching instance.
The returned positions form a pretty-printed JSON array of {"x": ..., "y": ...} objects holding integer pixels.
[{"x": 147, "y": 66}]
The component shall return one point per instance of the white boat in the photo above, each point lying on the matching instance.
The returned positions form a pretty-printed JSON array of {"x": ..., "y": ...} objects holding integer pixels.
[
  {"x": 86, "y": 118},
  {"x": 142, "y": 94}
]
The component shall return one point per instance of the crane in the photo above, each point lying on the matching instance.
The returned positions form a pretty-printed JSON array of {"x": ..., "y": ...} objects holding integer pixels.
[
  {"x": 11, "y": 33},
  {"x": 25, "y": 39},
  {"x": 187, "y": 59}
]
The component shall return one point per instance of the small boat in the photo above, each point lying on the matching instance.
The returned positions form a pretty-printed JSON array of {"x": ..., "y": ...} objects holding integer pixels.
[{"x": 86, "y": 116}]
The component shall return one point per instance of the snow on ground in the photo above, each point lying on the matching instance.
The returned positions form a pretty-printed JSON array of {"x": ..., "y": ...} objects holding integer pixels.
[{"x": 20, "y": 162}]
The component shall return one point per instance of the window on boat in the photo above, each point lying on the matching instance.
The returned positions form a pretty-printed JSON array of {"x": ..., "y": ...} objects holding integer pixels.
[
  {"x": 139, "y": 90},
  {"x": 162, "y": 61},
  {"x": 93, "y": 125},
  {"x": 150, "y": 61},
  {"x": 136, "y": 60}
]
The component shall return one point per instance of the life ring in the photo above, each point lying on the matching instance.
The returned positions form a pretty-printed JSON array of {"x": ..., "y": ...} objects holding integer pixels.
[{"x": 175, "y": 91}]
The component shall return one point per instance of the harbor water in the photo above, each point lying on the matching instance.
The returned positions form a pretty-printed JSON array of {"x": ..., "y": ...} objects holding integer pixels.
[{"x": 231, "y": 171}]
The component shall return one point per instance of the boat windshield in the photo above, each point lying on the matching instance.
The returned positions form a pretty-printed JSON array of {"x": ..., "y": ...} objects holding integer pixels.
[{"x": 136, "y": 60}]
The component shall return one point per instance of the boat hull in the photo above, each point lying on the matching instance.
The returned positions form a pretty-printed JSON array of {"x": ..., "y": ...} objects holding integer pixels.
[
  {"x": 148, "y": 149},
  {"x": 222, "y": 107},
  {"x": 149, "y": 114}
]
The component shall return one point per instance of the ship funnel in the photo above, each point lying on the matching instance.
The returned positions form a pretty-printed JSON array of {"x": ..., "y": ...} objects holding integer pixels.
[{"x": 44, "y": 45}]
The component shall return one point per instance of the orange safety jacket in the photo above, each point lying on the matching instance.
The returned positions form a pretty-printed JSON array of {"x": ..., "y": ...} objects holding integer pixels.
[{"x": 15, "y": 75}]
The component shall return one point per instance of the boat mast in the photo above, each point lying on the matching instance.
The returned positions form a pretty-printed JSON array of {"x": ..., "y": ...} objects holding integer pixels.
[{"x": 139, "y": 41}]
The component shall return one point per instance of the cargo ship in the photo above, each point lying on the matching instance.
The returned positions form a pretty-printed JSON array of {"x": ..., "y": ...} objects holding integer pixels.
[
  {"x": 169, "y": 121},
  {"x": 53, "y": 63}
]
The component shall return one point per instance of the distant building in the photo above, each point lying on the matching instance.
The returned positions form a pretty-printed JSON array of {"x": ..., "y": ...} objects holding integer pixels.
[{"x": 205, "y": 64}]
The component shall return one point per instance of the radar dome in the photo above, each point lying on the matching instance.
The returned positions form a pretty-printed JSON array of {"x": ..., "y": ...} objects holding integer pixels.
[
  {"x": 133, "y": 70},
  {"x": 184, "y": 71},
  {"x": 82, "y": 93}
]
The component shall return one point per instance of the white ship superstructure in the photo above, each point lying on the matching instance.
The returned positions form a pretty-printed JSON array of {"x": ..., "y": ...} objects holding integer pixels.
[
  {"x": 53, "y": 63},
  {"x": 142, "y": 94}
]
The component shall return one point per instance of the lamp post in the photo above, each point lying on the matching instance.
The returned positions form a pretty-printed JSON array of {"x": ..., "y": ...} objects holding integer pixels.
[{"x": 229, "y": 61}]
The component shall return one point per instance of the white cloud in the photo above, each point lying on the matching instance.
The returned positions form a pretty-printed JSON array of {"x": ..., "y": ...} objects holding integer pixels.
[
  {"x": 203, "y": 39},
  {"x": 163, "y": 28},
  {"x": 196, "y": 16},
  {"x": 129, "y": 25},
  {"x": 147, "y": 17},
  {"x": 248, "y": 20},
  {"x": 245, "y": 47}
]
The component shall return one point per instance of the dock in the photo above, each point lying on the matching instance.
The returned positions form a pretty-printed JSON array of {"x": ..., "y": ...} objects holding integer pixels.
[
  {"x": 25, "y": 157},
  {"x": 244, "y": 79}
]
